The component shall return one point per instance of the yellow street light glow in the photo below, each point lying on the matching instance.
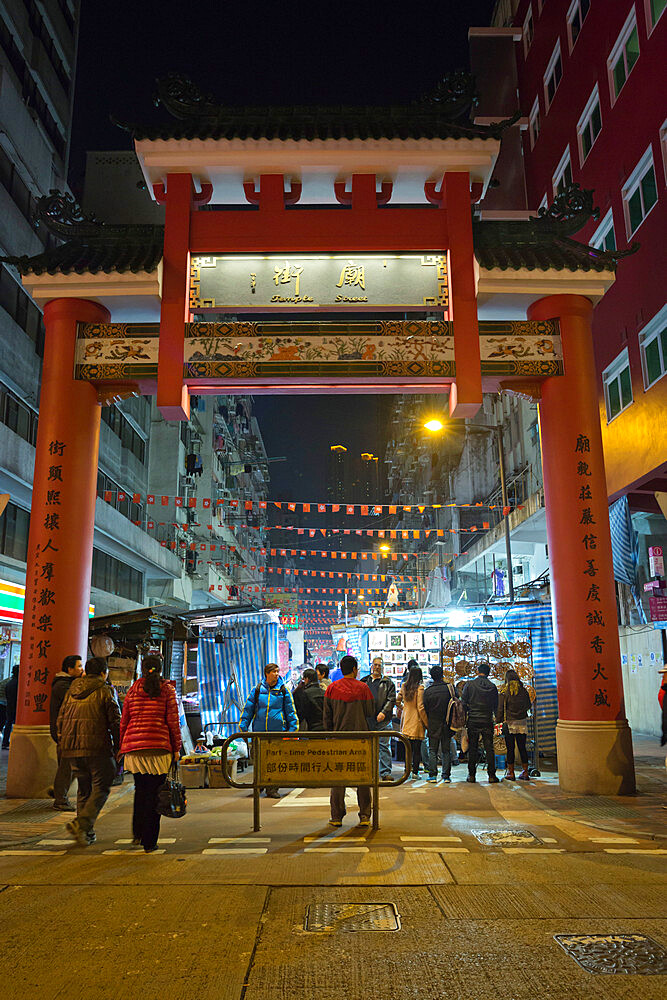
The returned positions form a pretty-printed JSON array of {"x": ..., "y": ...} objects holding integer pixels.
[
  {"x": 384, "y": 548},
  {"x": 434, "y": 425}
]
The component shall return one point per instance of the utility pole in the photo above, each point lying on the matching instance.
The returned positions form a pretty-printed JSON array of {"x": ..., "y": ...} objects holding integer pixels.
[{"x": 506, "y": 517}]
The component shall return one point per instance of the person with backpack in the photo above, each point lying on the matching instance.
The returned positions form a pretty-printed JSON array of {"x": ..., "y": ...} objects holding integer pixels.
[
  {"x": 480, "y": 697},
  {"x": 513, "y": 708},
  {"x": 442, "y": 708},
  {"x": 270, "y": 709}
]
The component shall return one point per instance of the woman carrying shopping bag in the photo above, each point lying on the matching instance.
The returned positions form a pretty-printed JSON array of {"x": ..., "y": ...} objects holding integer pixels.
[
  {"x": 513, "y": 707},
  {"x": 150, "y": 740},
  {"x": 413, "y": 716}
]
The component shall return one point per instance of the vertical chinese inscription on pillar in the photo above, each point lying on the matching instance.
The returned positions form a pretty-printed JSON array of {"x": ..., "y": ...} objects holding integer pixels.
[
  {"x": 43, "y": 608},
  {"x": 589, "y": 540}
]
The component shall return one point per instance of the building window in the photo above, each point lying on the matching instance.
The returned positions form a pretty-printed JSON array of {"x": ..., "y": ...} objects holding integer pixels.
[
  {"x": 654, "y": 10},
  {"x": 604, "y": 237},
  {"x": 14, "y": 526},
  {"x": 617, "y": 385},
  {"x": 123, "y": 500},
  {"x": 123, "y": 429},
  {"x": 562, "y": 178},
  {"x": 640, "y": 192},
  {"x": 589, "y": 125},
  {"x": 653, "y": 345},
  {"x": 17, "y": 303},
  {"x": 553, "y": 76},
  {"x": 534, "y": 123},
  {"x": 624, "y": 55},
  {"x": 575, "y": 18},
  {"x": 17, "y": 416},
  {"x": 528, "y": 30},
  {"x": 116, "y": 577}
]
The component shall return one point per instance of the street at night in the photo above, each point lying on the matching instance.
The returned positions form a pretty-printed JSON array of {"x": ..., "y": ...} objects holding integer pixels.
[{"x": 333, "y": 500}]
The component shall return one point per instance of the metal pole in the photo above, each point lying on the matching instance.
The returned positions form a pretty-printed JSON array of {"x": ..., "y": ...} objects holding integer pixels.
[
  {"x": 503, "y": 488},
  {"x": 255, "y": 786},
  {"x": 376, "y": 782}
]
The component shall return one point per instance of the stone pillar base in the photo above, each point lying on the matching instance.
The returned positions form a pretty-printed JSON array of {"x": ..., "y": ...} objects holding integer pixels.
[
  {"x": 595, "y": 758},
  {"x": 32, "y": 762}
]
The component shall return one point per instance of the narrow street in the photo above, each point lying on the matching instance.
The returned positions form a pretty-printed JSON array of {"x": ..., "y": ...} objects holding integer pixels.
[{"x": 482, "y": 878}]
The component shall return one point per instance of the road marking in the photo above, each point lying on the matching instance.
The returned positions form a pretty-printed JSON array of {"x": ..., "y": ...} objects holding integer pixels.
[
  {"x": 236, "y": 850},
  {"x": 330, "y": 839},
  {"x": 614, "y": 840},
  {"x": 534, "y": 850},
  {"x": 457, "y": 839},
  {"x": 634, "y": 850},
  {"x": 162, "y": 840},
  {"x": 335, "y": 850},
  {"x": 293, "y": 798},
  {"x": 136, "y": 850},
  {"x": 548, "y": 840},
  {"x": 56, "y": 843},
  {"x": 239, "y": 840},
  {"x": 437, "y": 850},
  {"x": 20, "y": 854}
]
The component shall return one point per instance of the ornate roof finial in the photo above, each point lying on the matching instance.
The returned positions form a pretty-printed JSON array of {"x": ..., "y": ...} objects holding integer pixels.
[
  {"x": 183, "y": 99},
  {"x": 455, "y": 95},
  {"x": 573, "y": 207}
]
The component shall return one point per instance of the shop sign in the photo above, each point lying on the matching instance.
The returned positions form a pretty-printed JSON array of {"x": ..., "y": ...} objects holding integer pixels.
[
  {"x": 315, "y": 763},
  {"x": 319, "y": 281},
  {"x": 289, "y": 621},
  {"x": 12, "y": 600},
  {"x": 658, "y": 608},
  {"x": 656, "y": 561}
]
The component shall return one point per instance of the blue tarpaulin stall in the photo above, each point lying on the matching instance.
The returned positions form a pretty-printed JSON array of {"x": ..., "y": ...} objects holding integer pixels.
[{"x": 237, "y": 649}]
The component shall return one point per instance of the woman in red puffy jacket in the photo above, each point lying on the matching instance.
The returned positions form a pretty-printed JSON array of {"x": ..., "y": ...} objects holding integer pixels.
[{"x": 150, "y": 739}]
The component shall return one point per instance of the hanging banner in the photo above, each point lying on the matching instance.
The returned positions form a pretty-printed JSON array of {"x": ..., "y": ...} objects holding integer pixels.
[{"x": 319, "y": 281}]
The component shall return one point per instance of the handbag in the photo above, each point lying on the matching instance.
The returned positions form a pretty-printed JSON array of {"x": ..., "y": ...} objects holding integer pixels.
[{"x": 171, "y": 798}]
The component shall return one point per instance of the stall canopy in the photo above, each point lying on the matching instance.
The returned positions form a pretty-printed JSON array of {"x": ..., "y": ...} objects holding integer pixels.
[
  {"x": 231, "y": 662},
  {"x": 466, "y": 621}
]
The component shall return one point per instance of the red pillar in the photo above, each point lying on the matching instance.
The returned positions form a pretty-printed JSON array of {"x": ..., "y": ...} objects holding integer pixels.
[
  {"x": 172, "y": 395},
  {"x": 466, "y": 393},
  {"x": 593, "y": 737},
  {"x": 60, "y": 545}
]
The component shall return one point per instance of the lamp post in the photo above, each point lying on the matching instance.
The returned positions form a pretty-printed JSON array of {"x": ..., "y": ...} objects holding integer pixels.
[{"x": 435, "y": 425}]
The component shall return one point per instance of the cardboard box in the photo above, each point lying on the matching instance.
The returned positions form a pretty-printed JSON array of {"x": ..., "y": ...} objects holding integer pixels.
[{"x": 192, "y": 775}]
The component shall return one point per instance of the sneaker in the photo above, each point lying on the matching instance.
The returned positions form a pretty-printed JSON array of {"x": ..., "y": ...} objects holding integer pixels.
[
  {"x": 447, "y": 781},
  {"x": 149, "y": 850},
  {"x": 471, "y": 778},
  {"x": 364, "y": 821},
  {"x": 51, "y": 792},
  {"x": 65, "y": 807},
  {"x": 91, "y": 837},
  {"x": 494, "y": 779},
  {"x": 79, "y": 835},
  {"x": 136, "y": 842},
  {"x": 273, "y": 794},
  {"x": 335, "y": 822},
  {"x": 432, "y": 778}
]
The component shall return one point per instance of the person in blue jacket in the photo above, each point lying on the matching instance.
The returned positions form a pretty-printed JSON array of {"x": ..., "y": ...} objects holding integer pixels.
[{"x": 270, "y": 709}]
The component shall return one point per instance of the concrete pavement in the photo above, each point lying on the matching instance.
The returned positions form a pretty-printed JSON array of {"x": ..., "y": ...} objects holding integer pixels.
[{"x": 482, "y": 878}]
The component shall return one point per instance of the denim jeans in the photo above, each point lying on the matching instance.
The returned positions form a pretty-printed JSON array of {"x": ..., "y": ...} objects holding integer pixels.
[
  {"x": 439, "y": 747},
  {"x": 385, "y": 748}
]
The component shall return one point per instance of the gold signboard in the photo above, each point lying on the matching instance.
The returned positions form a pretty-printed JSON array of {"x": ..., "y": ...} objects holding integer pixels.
[
  {"x": 315, "y": 763},
  {"x": 240, "y": 283}
]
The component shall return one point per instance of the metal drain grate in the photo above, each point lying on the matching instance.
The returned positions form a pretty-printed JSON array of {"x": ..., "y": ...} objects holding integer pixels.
[
  {"x": 615, "y": 953},
  {"x": 352, "y": 917},
  {"x": 505, "y": 838}
]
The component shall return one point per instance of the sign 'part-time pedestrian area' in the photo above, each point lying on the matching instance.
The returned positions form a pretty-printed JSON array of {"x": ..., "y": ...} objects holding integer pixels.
[
  {"x": 316, "y": 763},
  {"x": 317, "y": 281}
]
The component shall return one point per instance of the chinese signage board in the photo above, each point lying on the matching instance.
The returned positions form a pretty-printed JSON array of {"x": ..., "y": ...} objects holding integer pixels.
[
  {"x": 315, "y": 763},
  {"x": 658, "y": 608},
  {"x": 318, "y": 281},
  {"x": 289, "y": 621},
  {"x": 656, "y": 561}
]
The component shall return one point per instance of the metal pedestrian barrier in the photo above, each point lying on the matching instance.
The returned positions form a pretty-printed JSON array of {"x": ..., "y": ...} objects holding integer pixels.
[{"x": 316, "y": 760}]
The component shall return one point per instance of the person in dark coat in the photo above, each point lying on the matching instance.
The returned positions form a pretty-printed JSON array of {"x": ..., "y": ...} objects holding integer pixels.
[
  {"x": 480, "y": 698},
  {"x": 436, "y": 702},
  {"x": 309, "y": 702},
  {"x": 12, "y": 695},
  {"x": 72, "y": 667},
  {"x": 513, "y": 708},
  {"x": 89, "y": 734},
  {"x": 383, "y": 690}
]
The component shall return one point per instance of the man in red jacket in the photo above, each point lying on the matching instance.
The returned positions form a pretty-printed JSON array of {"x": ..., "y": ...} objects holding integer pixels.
[{"x": 348, "y": 706}]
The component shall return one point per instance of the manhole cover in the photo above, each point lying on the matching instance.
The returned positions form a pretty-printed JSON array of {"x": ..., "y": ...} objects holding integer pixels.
[
  {"x": 503, "y": 838},
  {"x": 352, "y": 917},
  {"x": 615, "y": 953}
]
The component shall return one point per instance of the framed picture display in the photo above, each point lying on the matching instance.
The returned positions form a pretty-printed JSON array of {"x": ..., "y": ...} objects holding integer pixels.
[
  {"x": 413, "y": 640},
  {"x": 395, "y": 640},
  {"x": 434, "y": 657},
  {"x": 400, "y": 657},
  {"x": 431, "y": 640},
  {"x": 377, "y": 640}
]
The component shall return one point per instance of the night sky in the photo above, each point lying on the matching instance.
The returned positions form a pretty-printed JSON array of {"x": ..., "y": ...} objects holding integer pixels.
[{"x": 269, "y": 53}]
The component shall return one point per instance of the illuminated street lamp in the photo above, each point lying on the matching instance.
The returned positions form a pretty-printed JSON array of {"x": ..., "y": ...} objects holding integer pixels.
[
  {"x": 384, "y": 548},
  {"x": 434, "y": 425}
]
